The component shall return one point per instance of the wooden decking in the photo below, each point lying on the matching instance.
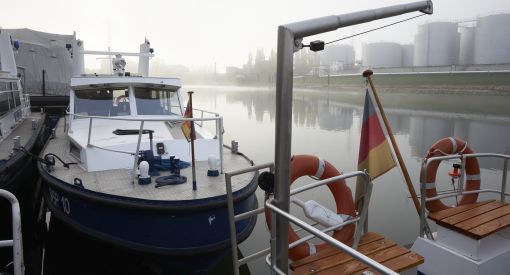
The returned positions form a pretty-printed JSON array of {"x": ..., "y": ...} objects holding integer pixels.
[
  {"x": 375, "y": 246},
  {"x": 475, "y": 220}
]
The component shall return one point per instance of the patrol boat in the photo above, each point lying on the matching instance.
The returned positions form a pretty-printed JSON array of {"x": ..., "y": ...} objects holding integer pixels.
[{"x": 120, "y": 168}]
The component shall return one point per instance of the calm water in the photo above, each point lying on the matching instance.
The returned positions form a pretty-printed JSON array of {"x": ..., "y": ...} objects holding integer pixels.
[{"x": 327, "y": 124}]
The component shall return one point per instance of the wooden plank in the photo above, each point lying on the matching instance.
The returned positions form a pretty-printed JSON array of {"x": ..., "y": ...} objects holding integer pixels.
[
  {"x": 439, "y": 215},
  {"x": 340, "y": 258},
  {"x": 470, "y": 213},
  {"x": 491, "y": 227},
  {"x": 365, "y": 239},
  {"x": 484, "y": 218},
  {"x": 354, "y": 266},
  {"x": 400, "y": 263}
]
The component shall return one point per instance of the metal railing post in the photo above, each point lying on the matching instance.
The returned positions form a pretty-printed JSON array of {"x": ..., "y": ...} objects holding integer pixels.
[
  {"x": 503, "y": 181},
  {"x": 462, "y": 174},
  {"x": 232, "y": 226},
  {"x": 90, "y": 132},
  {"x": 137, "y": 150},
  {"x": 423, "y": 182},
  {"x": 17, "y": 238},
  {"x": 220, "y": 141}
]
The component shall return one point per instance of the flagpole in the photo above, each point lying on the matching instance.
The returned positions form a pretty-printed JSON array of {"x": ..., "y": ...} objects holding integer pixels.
[
  {"x": 402, "y": 165},
  {"x": 192, "y": 135}
]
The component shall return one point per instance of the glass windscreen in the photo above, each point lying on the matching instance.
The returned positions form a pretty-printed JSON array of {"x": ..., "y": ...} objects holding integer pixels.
[
  {"x": 103, "y": 102},
  {"x": 4, "y": 102},
  {"x": 157, "y": 102},
  {"x": 17, "y": 97}
]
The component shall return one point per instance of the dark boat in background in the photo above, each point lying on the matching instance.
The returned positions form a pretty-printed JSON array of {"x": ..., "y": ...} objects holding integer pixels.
[{"x": 22, "y": 135}]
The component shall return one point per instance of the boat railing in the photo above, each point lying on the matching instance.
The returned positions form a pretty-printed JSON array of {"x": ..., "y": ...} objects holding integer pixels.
[
  {"x": 202, "y": 112},
  {"x": 26, "y": 105},
  {"x": 460, "y": 190},
  {"x": 217, "y": 118},
  {"x": 361, "y": 222},
  {"x": 16, "y": 243}
]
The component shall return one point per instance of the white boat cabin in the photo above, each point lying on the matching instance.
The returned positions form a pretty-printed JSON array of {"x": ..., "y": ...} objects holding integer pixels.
[{"x": 113, "y": 103}]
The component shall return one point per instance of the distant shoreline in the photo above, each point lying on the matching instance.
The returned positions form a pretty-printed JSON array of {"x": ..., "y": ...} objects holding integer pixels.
[{"x": 483, "y": 83}]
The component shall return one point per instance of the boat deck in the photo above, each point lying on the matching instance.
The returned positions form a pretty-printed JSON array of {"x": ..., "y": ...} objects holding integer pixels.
[
  {"x": 476, "y": 220},
  {"x": 375, "y": 246},
  {"x": 24, "y": 130},
  {"x": 119, "y": 181}
]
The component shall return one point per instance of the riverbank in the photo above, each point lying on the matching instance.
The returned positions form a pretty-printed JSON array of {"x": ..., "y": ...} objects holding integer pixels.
[{"x": 482, "y": 83}]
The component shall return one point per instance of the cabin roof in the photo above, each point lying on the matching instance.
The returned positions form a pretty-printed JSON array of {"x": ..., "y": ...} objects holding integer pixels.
[{"x": 122, "y": 81}]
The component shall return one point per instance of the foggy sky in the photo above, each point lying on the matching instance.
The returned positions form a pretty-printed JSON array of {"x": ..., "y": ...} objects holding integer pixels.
[{"x": 202, "y": 32}]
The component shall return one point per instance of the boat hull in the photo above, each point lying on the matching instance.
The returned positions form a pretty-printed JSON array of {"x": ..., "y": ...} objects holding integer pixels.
[
  {"x": 19, "y": 176},
  {"x": 181, "y": 229}
]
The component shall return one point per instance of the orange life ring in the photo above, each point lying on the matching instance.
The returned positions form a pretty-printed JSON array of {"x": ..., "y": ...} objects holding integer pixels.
[
  {"x": 307, "y": 165},
  {"x": 443, "y": 147}
]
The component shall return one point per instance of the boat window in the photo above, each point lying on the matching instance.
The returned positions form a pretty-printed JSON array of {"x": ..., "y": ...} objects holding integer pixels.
[
  {"x": 156, "y": 102},
  {"x": 3, "y": 86},
  {"x": 4, "y": 103},
  {"x": 14, "y": 86},
  {"x": 16, "y": 98},
  {"x": 104, "y": 102}
]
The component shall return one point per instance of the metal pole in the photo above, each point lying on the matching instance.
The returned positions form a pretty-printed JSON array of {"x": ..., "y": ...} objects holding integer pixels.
[
  {"x": 288, "y": 39},
  {"x": 192, "y": 137},
  {"x": 232, "y": 224},
  {"x": 90, "y": 131},
  {"x": 284, "y": 70},
  {"x": 17, "y": 241},
  {"x": 137, "y": 151},
  {"x": 220, "y": 141},
  {"x": 503, "y": 181}
]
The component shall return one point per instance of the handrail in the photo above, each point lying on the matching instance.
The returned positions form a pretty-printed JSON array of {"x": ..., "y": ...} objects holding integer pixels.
[
  {"x": 147, "y": 118},
  {"x": 232, "y": 218},
  {"x": 17, "y": 240},
  {"x": 142, "y": 120},
  {"x": 325, "y": 237},
  {"x": 460, "y": 191},
  {"x": 360, "y": 220}
]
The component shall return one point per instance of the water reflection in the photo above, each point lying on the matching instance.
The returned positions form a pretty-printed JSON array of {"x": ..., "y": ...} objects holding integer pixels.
[
  {"x": 327, "y": 111},
  {"x": 327, "y": 124}
]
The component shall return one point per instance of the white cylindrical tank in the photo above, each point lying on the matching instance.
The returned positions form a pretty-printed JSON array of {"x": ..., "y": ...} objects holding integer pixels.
[
  {"x": 467, "y": 45},
  {"x": 436, "y": 44},
  {"x": 338, "y": 54},
  {"x": 407, "y": 55},
  {"x": 492, "y": 39},
  {"x": 382, "y": 55}
]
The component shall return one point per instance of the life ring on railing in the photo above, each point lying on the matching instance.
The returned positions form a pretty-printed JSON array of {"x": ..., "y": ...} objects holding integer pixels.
[
  {"x": 444, "y": 147},
  {"x": 307, "y": 165}
]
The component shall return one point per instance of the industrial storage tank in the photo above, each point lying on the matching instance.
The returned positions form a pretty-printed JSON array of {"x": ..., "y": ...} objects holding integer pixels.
[
  {"x": 382, "y": 55},
  {"x": 338, "y": 57},
  {"x": 492, "y": 39},
  {"x": 467, "y": 45},
  {"x": 436, "y": 44},
  {"x": 407, "y": 55}
]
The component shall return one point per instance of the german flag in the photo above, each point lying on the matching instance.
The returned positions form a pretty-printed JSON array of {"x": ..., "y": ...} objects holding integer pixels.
[
  {"x": 374, "y": 150},
  {"x": 186, "y": 125}
]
